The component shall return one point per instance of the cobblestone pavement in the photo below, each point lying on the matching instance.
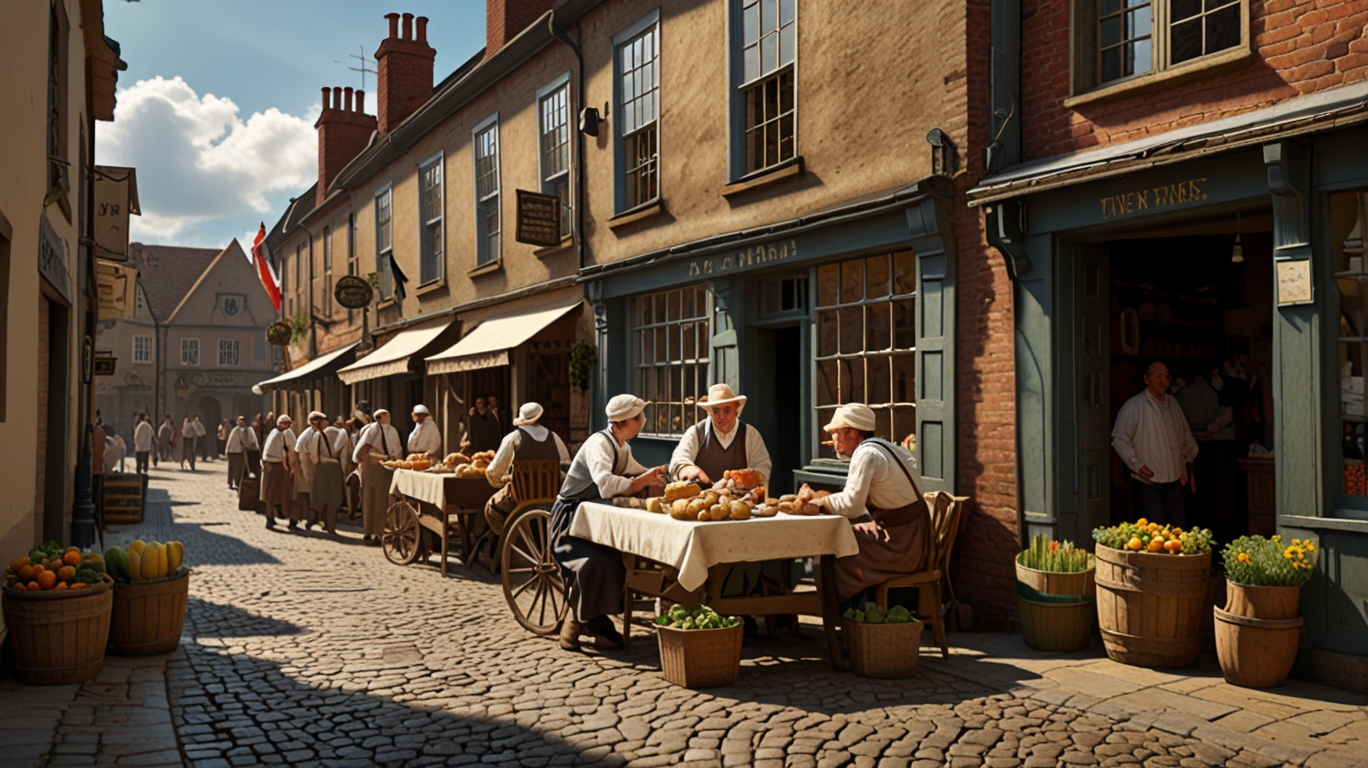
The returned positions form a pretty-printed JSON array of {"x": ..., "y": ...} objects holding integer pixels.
[{"x": 304, "y": 649}]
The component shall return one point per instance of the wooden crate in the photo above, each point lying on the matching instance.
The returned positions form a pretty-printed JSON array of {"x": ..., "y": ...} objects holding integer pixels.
[{"x": 125, "y": 496}]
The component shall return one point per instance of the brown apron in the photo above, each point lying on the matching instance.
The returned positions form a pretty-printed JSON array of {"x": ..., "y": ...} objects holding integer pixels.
[
  {"x": 895, "y": 543},
  {"x": 713, "y": 459}
]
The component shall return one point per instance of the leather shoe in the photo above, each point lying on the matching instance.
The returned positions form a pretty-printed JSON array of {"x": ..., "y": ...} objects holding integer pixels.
[
  {"x": 606, "y": 635},
  {"x": 571, "y": 628}
]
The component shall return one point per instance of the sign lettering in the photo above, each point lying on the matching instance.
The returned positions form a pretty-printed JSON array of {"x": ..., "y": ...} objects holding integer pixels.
[
  {"x": 539, "y": 219},
  {"x": 115, "y": 199},
  {"x": 753, "y": 256},
  {"x": 352, "y": 292},
  {"x": 1165, "y": 196}
]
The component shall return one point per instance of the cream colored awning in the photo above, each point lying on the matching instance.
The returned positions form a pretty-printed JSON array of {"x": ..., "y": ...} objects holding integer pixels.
[
  {"x": 393, "y": 358},
  {"x": 487, "y": 346},
  {"x": 314, "y": 369}
]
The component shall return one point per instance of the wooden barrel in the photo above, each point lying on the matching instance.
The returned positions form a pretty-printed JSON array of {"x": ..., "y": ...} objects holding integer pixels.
[
  {"x": 1051, "y": 583},
  {"x": 149, "y": 615},
  {"x": 59, "y": 637},
  {"x": 1056, "y": 627},
  {"x": 1256, "y": 653},
  {"x": 1150, "y": 607}
]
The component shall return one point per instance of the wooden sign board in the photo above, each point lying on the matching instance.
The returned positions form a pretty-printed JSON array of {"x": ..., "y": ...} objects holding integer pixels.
[
  {"x": 116, "y": 196},
  {"x": 104, "y": 366},
  {"x": 353, "y": 292},
  {"x": 539, "y": 219}
]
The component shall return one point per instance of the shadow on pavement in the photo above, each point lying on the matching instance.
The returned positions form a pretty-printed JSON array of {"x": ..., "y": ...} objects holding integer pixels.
[{"x": 208, "y": 619}]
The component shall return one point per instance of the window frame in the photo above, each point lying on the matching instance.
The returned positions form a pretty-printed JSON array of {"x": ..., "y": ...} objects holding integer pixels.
[
  {"x": 327, "y": 271},
  {"x": 626, "y": 35},
  {"x": 425, "y": 240},
  {"x": 383, "y": 275},
  {"x": 548, "y": 185},
  {"x": 235, "y": 346},
  {"x": 701, "y": 365},
  {"x": 737, "y": 153},
  {"x": 483, "y": 256},
  {"x": 1085, "y": 58},
  {"x": 147, "y": 341},
  {"x": 190, "y": 344}
]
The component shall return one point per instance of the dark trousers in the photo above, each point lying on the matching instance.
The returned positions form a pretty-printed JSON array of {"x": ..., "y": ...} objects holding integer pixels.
[
  {"x": 190, "y": 451},
  {"x": 1160, "y": 502},
  {"x": 142, "y": 461}
]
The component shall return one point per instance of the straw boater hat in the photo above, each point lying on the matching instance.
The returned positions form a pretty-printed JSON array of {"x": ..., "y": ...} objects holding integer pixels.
[
  {"x": 721, "y": 394},
  {"x": 528, "y": 415},
  {"x": 624, "y": 407},
  {"x": 853, "y": 415}
]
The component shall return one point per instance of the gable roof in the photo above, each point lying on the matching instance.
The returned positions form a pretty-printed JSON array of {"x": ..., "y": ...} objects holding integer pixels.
[
  {"x": 233, "y": 253},
  {"x": 167, "y": 273}
]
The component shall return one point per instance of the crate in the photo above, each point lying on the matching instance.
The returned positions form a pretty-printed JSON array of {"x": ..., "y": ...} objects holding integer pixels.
[
  {"x": 125, "y": 496},
  {"x": 883, "y": 650},
  {"x": 700, "y": 658}
]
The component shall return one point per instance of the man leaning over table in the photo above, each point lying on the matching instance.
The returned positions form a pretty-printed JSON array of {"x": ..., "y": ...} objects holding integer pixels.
[
  {"x": 603, "y": 469},
  {"x": 882, "y": 482}
]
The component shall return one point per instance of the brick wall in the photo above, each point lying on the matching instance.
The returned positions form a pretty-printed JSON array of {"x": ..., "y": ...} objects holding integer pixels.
[
  {"x": 44, "y": 366},
  {"x": 1300, "y": 46},
  {"x": 504, "y": 19},
  {"x": 403, "y": 75}
]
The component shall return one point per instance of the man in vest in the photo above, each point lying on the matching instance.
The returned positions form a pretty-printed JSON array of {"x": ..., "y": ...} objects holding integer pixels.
[
  {"x": 528, "y": 441},
  {"x": 720, "y": 442}
]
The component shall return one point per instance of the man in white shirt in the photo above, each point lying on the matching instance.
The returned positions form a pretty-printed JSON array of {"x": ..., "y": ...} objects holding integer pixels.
[
  {"x": 306, "y": 448},
  {"x": 528, "y": 441},
  {"x": 720, "y": 442},
  {"x": 143, "y": 438},
  {"x": 882, "y": 482},
  {"x": 241, "y": 440},
  {"x": 279, "y": 464},
  {"x": 1153, "y": 439},
  {"x": 378, "y": 442},
  {"x": 202, "y": 441},
  {"x": 425, "y": 437},
  {"x": 327, "y": 454}
]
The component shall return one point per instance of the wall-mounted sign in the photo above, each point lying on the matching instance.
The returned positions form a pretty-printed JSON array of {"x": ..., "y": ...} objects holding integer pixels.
[
  {"x": 116, "y": 196},
  {"x": 539, "y": 219},
  {"x": 1294, "y": 282},
  {"x": 217, "y": 380},
  {"x": 118, "y": 288},
  {"x": 754, "y": 256},
  {"x": 353, "y": 292},
  {"x": 1163, "y": 196},
  {"x": 104, "y": 366},
  {"x": 52, "y": 258}
]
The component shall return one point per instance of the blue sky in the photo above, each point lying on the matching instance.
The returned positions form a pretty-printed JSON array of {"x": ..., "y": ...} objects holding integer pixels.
[{"x": 216, "y": 109}]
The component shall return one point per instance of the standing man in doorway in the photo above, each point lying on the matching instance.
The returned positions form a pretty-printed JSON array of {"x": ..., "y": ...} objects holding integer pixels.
[
  {"x": 425, "y": 437},
  {"x": 142, "y": 442},
  {"x": 484, "y": 432},
  {"x": 1152, "y": 437}
]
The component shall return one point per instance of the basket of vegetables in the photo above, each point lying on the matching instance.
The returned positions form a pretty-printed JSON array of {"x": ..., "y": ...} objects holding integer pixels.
[
  {"x": 1055, "y": 592},
  {"x": 56, "y": 606},
  {"x": 883, "y": 643},
  {"x": 699, "y": 648}
]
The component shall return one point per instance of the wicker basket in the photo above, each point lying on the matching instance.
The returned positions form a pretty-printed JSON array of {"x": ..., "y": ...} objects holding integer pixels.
[
  {"x": 59, "y": 636},
  {"x": 700, "y": 658},
  {"x": 149, "y": 615},
  {"x": 883, "y": 650}
]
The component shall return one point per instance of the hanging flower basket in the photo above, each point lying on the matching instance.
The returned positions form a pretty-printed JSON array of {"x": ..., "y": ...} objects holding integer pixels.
[{"x": 279, "y": 333}]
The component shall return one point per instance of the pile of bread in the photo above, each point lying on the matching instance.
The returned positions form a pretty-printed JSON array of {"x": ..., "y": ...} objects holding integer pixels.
[
  {"x": 464, "y": 466},
  {"x": 739, "y": 495},
  {"x": 414, "y": 461}
]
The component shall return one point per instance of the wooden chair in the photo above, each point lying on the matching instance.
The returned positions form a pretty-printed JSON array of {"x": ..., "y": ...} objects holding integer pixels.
[
  {"x": 536, "y": 483},
  {"x": 946, "y": 511}
]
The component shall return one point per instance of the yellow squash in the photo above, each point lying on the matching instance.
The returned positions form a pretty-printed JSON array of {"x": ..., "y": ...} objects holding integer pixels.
[
  {"x": 137, "y": 546},
  {"x": 175, "y": 554},
  {"x": 134, "y": 565}
]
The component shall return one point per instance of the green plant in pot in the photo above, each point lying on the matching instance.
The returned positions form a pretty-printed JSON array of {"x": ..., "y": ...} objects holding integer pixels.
[
  {"x": 1259, "y": 630},
  {"x": 1055, "y": 595}
]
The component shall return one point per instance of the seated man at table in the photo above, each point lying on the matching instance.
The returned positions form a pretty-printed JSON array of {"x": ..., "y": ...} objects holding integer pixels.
[
  {"x": 603, "y": 469},
  {"x": 528, "y": 441},
  {"x": 883, "y": 482},
  {"x": 720, "y": 442}
]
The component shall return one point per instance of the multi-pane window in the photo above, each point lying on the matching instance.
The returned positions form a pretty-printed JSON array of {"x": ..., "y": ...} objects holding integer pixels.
[
  {"x": 327, "y": 272},
  {"x": 671, "y": 339},
  {"x": 1349, "y": 221},
  {"x": 430, "y": 213},
  {"x": 1201, "y": 27},
  {"x": 638, "y": 66},
  {"x": 866, "y": 342},
  {"x": 142, "y": 349},
  {"x": 487, "y": 194},
  {"x": 228, "y": 353},
  {"x": 384, "y": 242},
  {"x": 1124, "y": 41},
  {"x": 769, "y": 44},
  {"x": 554, "y": 111},
  {"x": 189, "y": 351},
  {"x": 1136, "y": 37}
]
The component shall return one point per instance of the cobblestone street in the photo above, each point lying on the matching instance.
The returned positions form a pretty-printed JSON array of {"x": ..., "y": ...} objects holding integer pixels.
[{"x": 302, "y": 649}]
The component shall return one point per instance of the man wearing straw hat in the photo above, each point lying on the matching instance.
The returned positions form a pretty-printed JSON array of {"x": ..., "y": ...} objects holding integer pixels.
[
  {"x": 882, "y": 482},
  {"x": 378, "y": 441},
  {"x": 720, "y": 442},
  {"x": 529, "y": 441}
]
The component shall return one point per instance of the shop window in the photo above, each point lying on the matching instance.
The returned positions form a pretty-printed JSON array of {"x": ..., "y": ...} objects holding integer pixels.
[
  {"x": 636, "y": 66},
  {"x": 778, "y": 297},
  {"x": 1118, "y": 40},
  {"x": 1349, "y": 221},
  {"x": 142, "y": 349},
  {"x": 768, "y": 46},
  {"x": 384, "y": 242},
  {"x": 228, "y": 353},
  {"x": 866, "y": 343},
  {"x": 432, "y": 238},
  {"x": 554, "y": 112},
  {"x": 671, "y": 341},
  {"x": 190, "y": 352},
  {"x": 487, "y": 217}
]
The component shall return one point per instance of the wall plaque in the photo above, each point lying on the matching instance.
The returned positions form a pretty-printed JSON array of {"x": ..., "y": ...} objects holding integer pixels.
[
  {"x": 1294, "y": 282},
  {"x": 353, "y": 292},
  {"x": 539, "y": 219}
]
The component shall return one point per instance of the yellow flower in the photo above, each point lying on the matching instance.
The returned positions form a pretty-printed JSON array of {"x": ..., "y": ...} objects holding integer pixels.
[
  {"x": 1276, "y": 538},
  {"x": 1243, "y": 557},
  {"x": 1310, "y": 546},
  {"x": 1288, "y": 554}
]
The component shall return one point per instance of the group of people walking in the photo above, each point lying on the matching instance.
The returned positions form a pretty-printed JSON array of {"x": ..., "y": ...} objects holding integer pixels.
[{"x": 165, "y": 444}]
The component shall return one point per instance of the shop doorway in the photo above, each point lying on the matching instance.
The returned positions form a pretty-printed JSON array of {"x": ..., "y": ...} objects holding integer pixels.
[
  {"x": 550, "y": 386},
  {"x": 1180, "y": 296}
]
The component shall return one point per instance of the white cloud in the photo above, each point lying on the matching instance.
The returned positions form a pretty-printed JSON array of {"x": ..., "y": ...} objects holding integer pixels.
[{"x": 203, "y": 172}]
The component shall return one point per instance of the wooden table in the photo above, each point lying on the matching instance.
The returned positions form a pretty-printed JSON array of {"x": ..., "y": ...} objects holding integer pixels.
[{"x": 435, "y": 499}]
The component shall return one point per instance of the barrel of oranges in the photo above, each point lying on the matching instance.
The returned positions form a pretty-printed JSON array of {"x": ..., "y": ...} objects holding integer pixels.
[{"x": 57, "y": 604}]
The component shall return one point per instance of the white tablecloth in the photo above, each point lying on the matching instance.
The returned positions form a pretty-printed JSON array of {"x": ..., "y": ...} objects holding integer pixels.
[
  {"x": 692, "y": 548},
  {"x": 434, "y": 487}
]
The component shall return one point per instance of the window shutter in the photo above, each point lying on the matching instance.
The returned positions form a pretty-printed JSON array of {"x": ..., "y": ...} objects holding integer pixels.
[{"x": 935, "y": 253}]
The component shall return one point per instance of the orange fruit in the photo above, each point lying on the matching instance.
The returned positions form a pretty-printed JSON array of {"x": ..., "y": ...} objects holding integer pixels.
[
  {"x": 62, "y": 585},
  {"x": 39, "y": 568},
  {"x": 25, "y": 572},
  {"x": 80, "y": 585},
  {"x": 66, "y": 573},
  {"x": 34, "y": 587},
  {"x": 20, "y": 563},
  {"x": 72, "y": 557},
  {"x": 47, "y": 579}
]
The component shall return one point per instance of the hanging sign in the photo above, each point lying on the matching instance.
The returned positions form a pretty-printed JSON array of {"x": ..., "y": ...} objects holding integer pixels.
[
  {"x": 539, "y": 219},
  {"x": 104, "y": 366},
  {"x": 117, "y": 285},
  {"x": 353, "y": 292},
  {"x": 116, "y": 196},
  {"x": 279, "y": 333}
]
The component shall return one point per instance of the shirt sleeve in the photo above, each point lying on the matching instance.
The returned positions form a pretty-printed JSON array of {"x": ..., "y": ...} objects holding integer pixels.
[
  {"x": 560, "y": 446},
  {"x": 1124, "y": 432},
  {"x": 851, "y": 501},
  {"x": 757, "y": 454},
  {"x": 497, "y": 471},
  {"x": 685, "y": 453},
  {"x": 362, "y": 445},
  {"x": 1185, "y": 436},
  {"x": 599, "y": 462}
]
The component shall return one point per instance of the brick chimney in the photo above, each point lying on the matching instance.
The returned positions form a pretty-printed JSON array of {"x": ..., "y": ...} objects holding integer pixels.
[
  {"x": 504, "y": 19},
  {"x": 344, "y": 129},
  {"x": 404, "y": 67}
]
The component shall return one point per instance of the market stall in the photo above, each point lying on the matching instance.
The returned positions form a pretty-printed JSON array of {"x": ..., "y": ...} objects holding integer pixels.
[{"x": 432, "y": 504}]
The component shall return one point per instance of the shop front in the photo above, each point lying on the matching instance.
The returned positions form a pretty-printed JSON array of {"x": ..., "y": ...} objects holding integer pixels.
[
  {"x": 854, "y": 304},
  {"x": 392, "y": 376},
  {"x": 312, "y": 386},
  {"x": 1238, "y": 263}
]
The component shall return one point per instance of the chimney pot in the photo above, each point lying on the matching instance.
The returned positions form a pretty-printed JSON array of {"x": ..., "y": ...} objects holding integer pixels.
[
  {"x": 393, "y": 25},
  {"x": 337, "y": 97},
  {"x": 422, "y": 29},
  {"x": 360, "y": 102},
  {"x": 408, "y": 26},
  {"x": 347, "y": 99},
  {"x": 326, "y": 96}
]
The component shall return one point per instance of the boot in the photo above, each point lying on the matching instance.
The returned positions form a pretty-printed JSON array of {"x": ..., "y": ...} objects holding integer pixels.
[
  {"x": 571, "y": 628},
  {"x": 606, "y": 636}
]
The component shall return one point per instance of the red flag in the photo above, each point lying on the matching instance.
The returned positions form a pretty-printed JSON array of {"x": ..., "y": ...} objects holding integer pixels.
[{"x": 263, "y": 264}]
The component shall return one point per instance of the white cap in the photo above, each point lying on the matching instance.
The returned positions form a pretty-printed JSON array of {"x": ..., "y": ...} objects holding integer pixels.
[
  {"x": 528, "y": 414},
  {"x": 380, "y": 412},
  {"x": 420, "y": 408},
  {"x": 283, "y": 418},
  {"x": 624, "y": 407},
  {"x": 853, "y": 415}
]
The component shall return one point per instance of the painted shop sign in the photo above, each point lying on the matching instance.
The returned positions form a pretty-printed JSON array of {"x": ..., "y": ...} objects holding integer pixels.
[
  {"x": 1164, "y": 196},
  {"x": 754, "y": 256}
]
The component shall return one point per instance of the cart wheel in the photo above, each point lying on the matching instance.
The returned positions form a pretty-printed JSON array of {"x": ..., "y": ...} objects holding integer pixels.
[
  {"x": 401, "y": 537},
  {"x": 532, "y": 580}
]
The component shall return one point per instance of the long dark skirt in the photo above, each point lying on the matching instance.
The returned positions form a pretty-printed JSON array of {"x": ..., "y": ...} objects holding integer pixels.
[
  {"x": 277, "y": 489},
  {"x": 595, "y": 573}
]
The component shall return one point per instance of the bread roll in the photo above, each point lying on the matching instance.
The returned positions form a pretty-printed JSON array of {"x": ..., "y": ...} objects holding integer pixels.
[
  {"x": 656, "y": 504},
  {"x": 682, "y": 490},
  {"x": 740, "y": 510},
  {"x": 679, "y": 509}
]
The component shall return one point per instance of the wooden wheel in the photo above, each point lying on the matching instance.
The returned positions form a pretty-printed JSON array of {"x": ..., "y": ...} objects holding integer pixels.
[
  {"x": 532, "y": 580},
  {"x": 402, "y": 537}
]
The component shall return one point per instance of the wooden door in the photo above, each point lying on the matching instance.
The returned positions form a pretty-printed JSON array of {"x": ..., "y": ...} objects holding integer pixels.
[{"x": 1093, "y": 341}]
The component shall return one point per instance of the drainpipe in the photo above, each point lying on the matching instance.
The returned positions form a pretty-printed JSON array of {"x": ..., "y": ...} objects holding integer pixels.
[
  {"x": 83, "y": 497},
  {"x": 1006, "y": 220},
  {"x": 578, "y": 197}
]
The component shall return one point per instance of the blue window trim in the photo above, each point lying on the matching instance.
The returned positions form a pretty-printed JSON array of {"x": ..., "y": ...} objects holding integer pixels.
[
  {"x": 736, "y": 99},
  {"x": 619, "y": 153},
  {"x": 438, "y": 157},
  {"x": 382, "y": 272},
  {"x": 481, "y": 127},
  {"x": 561, "y": 81}
]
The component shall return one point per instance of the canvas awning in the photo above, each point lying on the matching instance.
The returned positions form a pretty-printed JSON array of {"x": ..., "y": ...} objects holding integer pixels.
[
  {"x": 487, "y": 346},
  {"x": 393, "y": 358},
  {"x": 317, "y": 368}
]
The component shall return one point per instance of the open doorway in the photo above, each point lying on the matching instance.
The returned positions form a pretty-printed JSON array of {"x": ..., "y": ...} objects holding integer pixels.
[{"x": 786, "y": 449}]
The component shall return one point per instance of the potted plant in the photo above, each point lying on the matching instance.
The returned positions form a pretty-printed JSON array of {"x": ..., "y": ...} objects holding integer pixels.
[
  {"x": 1152, "y": 587},
  {"x": 1056, "y": 595},
  {"x": 1258, "y": 632},
  {"x": 883, "y": 644},
  {"x": 699, "y": 648}
]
